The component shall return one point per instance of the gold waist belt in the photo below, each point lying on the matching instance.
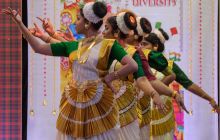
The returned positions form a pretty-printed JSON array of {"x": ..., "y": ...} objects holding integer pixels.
[{"x": 82, "y": 86}]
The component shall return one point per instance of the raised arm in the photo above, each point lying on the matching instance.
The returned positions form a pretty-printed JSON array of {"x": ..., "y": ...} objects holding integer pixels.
[
  {"x": 37, "y": 46},
  {"x": 61, "y": 35}
]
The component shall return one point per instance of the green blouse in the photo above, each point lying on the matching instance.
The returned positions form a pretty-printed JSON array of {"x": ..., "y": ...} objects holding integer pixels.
[
  {"x": 140, "y": 71},
  {"x": 66, "y": 48},
  {"x": 181, "y": 77},
  {"x": 157, "y": 61}
]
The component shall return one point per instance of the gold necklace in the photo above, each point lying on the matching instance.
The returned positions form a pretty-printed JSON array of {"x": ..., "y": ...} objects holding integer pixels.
[{"x": 82, "y": 58}]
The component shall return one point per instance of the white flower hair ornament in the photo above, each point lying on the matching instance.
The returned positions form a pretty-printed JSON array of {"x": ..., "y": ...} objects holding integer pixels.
[
  {"x": 139, "y": 28},
  {"x": 159, "y": 35},
  {"x": 121, "y": 23}
]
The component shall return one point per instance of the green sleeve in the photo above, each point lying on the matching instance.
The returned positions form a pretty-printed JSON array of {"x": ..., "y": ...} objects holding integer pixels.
[
  {"x": 63, "y": 48},
  {"x": 140, "y": 71},
  {"x": 157, "y": 61},
  {"x": 117, "y": 52},
  {"x": 181, "y": 77}
]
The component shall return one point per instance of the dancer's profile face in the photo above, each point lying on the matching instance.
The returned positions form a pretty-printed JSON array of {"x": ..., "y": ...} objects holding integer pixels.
[
  {"x": 80, "y": 24},
  {"x": 131, "y": 40},
  {"x": 146, "y": 45},
  {"x": 107, "y": 33}
]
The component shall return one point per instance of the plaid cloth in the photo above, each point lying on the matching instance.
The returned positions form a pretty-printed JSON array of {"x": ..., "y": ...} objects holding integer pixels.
[{"x": 10, "y": 75}]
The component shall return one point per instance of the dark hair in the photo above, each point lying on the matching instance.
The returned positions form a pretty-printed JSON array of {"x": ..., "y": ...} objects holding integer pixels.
[
  {"x": 154, "y": 40},
  {"x": 100, "y": 10},
  {"x": 130, "y": 20},
  {"x": 146, "y": 27},
  {"x": 165, "y": 35},
  {"x": 127, "y": 18},
  {"x": 112, "y": 21}
]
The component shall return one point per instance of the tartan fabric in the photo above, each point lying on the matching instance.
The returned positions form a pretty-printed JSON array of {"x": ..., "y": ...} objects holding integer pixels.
[{"x": 10, "y": 75}]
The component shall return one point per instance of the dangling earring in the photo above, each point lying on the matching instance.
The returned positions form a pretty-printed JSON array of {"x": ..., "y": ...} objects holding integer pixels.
[
  {"x": 135, "y": 37},
  {"x": 86, "y": 26}
]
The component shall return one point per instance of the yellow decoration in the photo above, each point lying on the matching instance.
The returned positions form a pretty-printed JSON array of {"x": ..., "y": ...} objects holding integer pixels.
[
  {"x": 44, "y": 102},
  {"x": 54, "y": 112},
  {"x": 32, "y": 112},
  {"x": 190, "y": 112},
  {"x": 68, "y": 16}
]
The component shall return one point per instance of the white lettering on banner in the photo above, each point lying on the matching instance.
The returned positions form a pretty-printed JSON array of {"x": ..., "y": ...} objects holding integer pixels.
[{"x": 154, "y": 3}]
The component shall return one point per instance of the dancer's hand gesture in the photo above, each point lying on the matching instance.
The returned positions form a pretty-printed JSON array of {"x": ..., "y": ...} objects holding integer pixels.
[
  {"x": 108, "y": 80},
  {"x": 215, "y": 106},
  {"x": 180, "y": 102},
  {"x": 66, "y": 35},
  {"x": 159, "y": 103},
  {"x": 36, "y": 31},
  {"x": 15, "y": 15},
  {"x": 47, "y": 26}
]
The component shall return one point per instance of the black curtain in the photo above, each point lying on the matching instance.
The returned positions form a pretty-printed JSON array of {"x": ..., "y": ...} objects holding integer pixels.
[{"x": 24, "y": 74}]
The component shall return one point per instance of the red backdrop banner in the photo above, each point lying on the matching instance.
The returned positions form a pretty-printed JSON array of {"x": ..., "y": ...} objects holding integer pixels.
[{"x": 10, "y": 75}]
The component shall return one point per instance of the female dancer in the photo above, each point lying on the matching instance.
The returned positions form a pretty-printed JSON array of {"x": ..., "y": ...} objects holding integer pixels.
[
  {"x": 119, "y": 28},
  {"x": 155, "y": 41},
  {"x": 153, "y": 124},
  {"x": 87, "y": 109},
  {"x": 126, "y": 102}
]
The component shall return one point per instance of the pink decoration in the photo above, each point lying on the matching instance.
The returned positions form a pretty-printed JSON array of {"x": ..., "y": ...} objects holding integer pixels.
[{"x": 109, "y": 8}]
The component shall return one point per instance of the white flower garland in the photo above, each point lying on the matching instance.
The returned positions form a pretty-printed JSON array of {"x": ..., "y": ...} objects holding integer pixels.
[
  {"x": 121, "y": 23},
  {"x": 160, "y": 36},
  {"x": 139, "y": 28}
]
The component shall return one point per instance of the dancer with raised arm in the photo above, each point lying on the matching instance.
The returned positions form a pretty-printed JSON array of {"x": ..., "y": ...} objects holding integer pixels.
[{"x": 87, "y": 109}]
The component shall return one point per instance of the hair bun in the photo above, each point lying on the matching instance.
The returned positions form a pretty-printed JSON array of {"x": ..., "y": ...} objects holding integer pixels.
[
  {"x": 130, "y": 20},
  {"x": 145, "y": 25},
  {"x": 100, "y": 9},
  {"x": 165, "y": 35}
]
